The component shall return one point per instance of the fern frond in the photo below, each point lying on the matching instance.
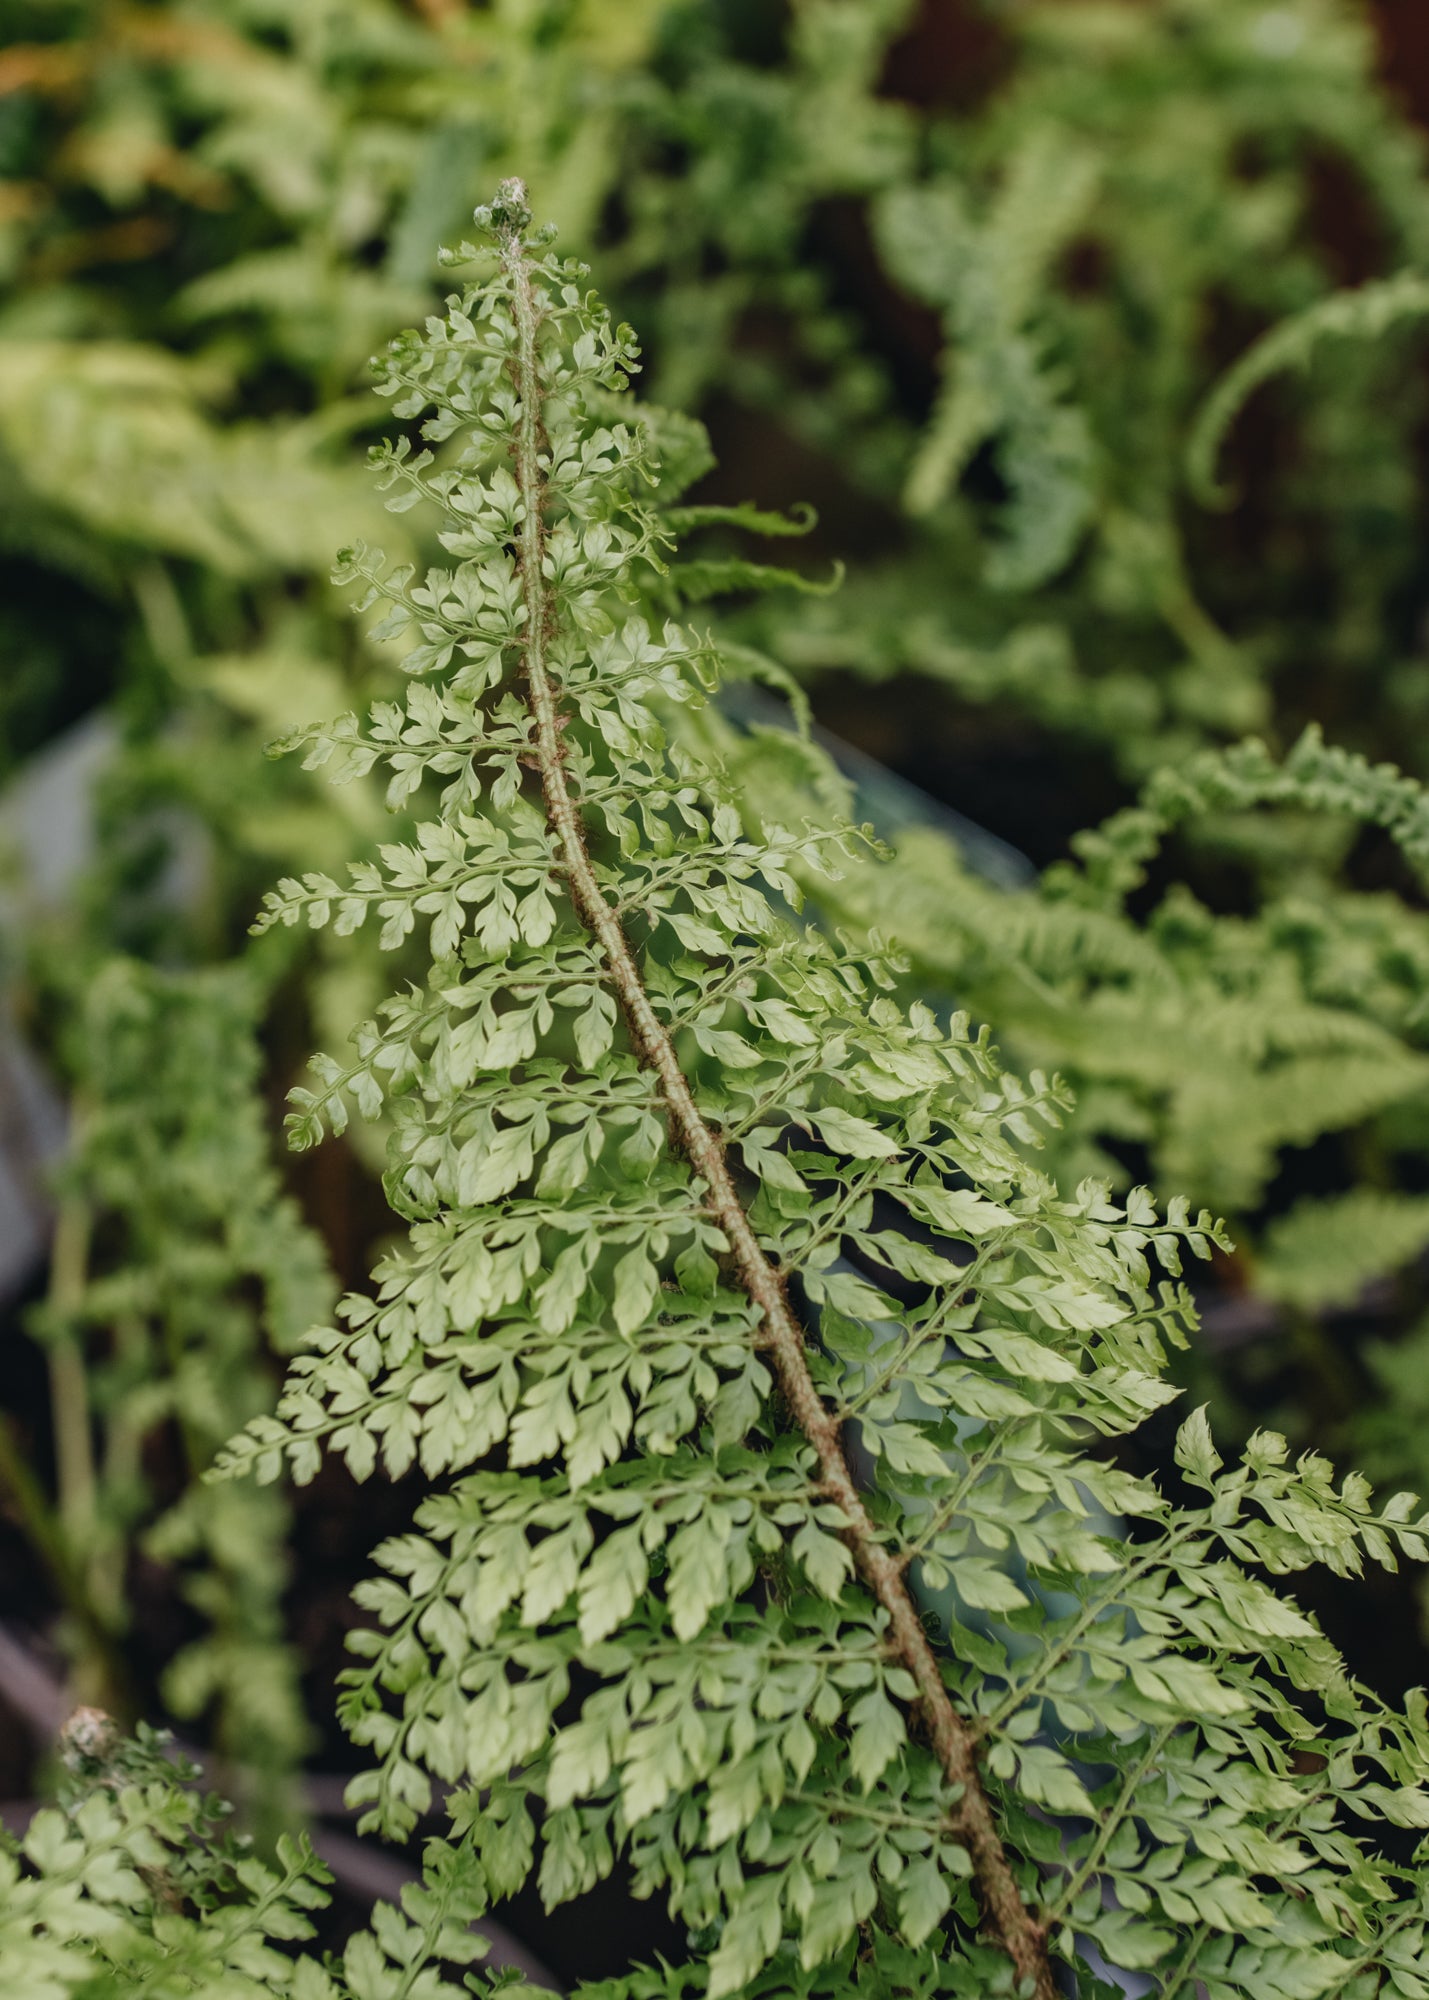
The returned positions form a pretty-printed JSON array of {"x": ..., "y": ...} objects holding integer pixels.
[
  {"x": 741, "y": 1325},
  {"x": 183, "y": 1269},
  {"x": 1320, "y": 777},
  {"x": 999, "y": 385},
  {"x": 1324, "y": 1252},
  {"x": 701, "y": 577},
  {"x": 1365, "y": 314},
  {"x": 113, "y": 437},
  {"x": 136, "y": 1887},
  {"x": 754, "y": 520}
]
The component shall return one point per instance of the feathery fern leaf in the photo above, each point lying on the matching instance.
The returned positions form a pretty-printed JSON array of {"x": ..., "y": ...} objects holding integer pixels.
[
  {"x": 1323, "y": 1252},
  {"x": 1365, "y": 314},
  {"x": 701, "y": 1220}
]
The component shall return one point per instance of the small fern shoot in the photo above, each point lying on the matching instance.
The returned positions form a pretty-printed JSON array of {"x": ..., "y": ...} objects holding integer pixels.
[{"x": 734, "y": 1321}]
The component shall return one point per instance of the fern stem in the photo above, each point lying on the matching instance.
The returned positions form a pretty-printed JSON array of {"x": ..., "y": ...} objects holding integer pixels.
[
  {"x": 1008, "y": 1919},
  {"x": 102, "y": 1671},
  {"x": 69, "y": 1389}
]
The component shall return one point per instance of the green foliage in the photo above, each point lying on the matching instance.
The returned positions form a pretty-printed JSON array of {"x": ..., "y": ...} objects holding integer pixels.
[
  {"x": 1325, "y": 1252},
  {"x": 134, "y": 1886},
  {"x": 665, "y": 1622},
  {"x": 180, "y": 1268},
  {"x": 1217, "y": 1050},
  {"x": 189, "y": 203},
  {"x": 1139, "y": 203},
  {"x": 1141, "y": 199},
  {"x": 1366, "y": 314},
  {"x": 987, "y": 277}
]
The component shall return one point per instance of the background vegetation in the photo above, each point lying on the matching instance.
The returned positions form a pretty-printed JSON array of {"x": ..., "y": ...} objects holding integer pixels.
[{"x": 1093, "y": 332}]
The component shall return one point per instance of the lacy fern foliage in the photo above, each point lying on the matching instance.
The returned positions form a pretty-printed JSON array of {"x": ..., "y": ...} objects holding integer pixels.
[
  {"x": 133, "y": 1884},
  {"x": 179, "y": 1269},
  {"x": 778, "y": 1543}
]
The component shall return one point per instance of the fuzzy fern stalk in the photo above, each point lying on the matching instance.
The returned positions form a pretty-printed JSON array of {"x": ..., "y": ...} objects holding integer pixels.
[{"x": 769, "y": 1394}]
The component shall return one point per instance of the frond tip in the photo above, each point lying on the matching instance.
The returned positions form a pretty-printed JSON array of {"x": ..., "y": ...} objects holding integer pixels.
[{"x": 509, "y": 215}]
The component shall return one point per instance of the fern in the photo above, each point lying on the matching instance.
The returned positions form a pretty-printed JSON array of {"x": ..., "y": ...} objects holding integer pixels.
[
  {"x": 1205, "y": 1050},
  {"x": 1315, "y": 776},
  {"x": 178, "y": 1268},
  {"x": 134, "y": 1885},
  {"x": 1366, "y": 314},
  {"x": 1324, "y": 1252},
  {"x": 1214, "y": 1042},
  {"x": 1079, "y": 351},
  {"x": 999, "y": 385},
  {"x": 668, "y": 1161}
]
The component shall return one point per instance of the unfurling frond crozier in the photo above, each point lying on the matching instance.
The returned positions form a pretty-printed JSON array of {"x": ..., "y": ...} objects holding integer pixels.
[{"x": 739, "y": 1334}]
